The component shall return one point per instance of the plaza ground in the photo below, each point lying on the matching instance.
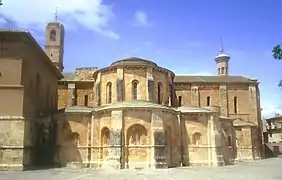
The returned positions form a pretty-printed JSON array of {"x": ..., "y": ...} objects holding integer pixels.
[{"x": 268, "y": 169}]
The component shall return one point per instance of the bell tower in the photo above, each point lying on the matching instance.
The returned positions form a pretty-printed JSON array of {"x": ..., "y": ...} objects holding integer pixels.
[
  {"x": 54, "y": 42},
  {"x": 222, "y": 60}
]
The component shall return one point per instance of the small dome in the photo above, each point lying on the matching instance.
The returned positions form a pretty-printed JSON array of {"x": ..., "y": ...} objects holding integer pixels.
[
  {"x": 133, "y": 61},
  {"x": 222, "y": 54}
]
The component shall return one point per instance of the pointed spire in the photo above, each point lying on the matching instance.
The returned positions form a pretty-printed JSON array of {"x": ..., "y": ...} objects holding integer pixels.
[
  {"x": 56, "y": 14},
  {"x": 221, "y": 42}
]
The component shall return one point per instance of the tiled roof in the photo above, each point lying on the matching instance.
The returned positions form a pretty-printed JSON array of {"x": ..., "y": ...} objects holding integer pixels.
[
  {"x": 68, "y": 76},
  {"x": 213, "y": 79},
  {"x": 27, "y": 35},
  {"x": 133, "y": 61},
  {"x": 133, "y": 104},
  {"x": 78, "y": 109}
]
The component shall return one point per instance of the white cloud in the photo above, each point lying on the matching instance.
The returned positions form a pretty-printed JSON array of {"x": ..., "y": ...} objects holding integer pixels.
[
  {"x": 92, "y": 14},
  {"x": 141, "y": 19},
  {"x": 270, "y": 109}
]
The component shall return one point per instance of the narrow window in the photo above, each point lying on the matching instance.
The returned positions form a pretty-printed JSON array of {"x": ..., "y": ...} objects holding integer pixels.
[
  {"x": 229, "y": 141},
  {"x": 134, "y": 89},
  {"x": 179, "y": 101},
  {"x": 208, "y": 101},
  {"x": 53, "y": 35},
  {"x": 235, "y": 105},
  {"x": 222, "y": 70},
  {"x": 218, "y": 71},
  {"x": 86, "y": 100},
  {"x": 159, "y": 93},
  {"x": 109, "y": 93}
]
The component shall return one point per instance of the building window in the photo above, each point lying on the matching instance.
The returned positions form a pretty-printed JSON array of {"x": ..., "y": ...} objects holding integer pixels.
[
  {"x": 222, "y": 70},
  {"x": 235, "y": 105},
  {"x": 218, "y": 71},
  {"x": 196, "y": 140},
  {"x": 179, "y": 101},
  {"x": 109, "y": 93},
  {"x": 86, "y": 100},
  {"x": 208, "y": 101},
  {"x": 229, "y": 141},
  {"x": 159, "y": 93},
  {"x": 53, "y": 35},
  {"x": 134, "y": 89}
]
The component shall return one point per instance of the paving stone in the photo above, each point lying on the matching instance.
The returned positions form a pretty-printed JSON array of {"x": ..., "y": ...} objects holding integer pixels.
[{"x": 269, "y": 169}]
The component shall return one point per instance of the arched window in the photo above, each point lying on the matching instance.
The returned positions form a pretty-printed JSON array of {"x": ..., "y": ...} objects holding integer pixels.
[
  {"x": 135, "y": 89},
  {"x": 137, "y": 135},
  {"x": 235, "y": 105},
  {"x": 53, "y": 35},
  {"x": 179, "y": 101},
  {"x": 109, "y": 93},
  {"x": 222, "y": 70},
  {"x": 196, "y": 138},
  {"x": 105, "y": 141},
  {"x": 159, "y": 93},
  {"x": 208, "y": 101},
  {"x": 218, "y": 71},
  {"x": 86, "y": 100}
]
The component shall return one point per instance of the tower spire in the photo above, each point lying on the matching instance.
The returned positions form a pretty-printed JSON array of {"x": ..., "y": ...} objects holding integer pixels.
[
  {"x": 56, "y": 14},
  {"x": 221, "y": 42}
]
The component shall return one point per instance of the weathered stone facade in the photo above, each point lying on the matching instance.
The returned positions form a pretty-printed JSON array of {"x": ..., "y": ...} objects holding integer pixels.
[
  {"x": 182, "y": 120},
  {"x": 130, "y": 114}
]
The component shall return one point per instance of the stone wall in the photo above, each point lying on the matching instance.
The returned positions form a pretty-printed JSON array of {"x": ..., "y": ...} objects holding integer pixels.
[
  {"x": 73, "y": 140},
  {"x": 13, "y": 152},
  {"x": 85, "y": 74}
]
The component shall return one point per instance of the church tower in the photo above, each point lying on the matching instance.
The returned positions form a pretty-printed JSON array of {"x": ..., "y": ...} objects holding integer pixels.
[
  {"x": 222, "y": 60},
  {"x": 54, "y": 43}
]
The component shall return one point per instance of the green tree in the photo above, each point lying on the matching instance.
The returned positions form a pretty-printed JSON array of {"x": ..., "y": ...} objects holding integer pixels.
[{"x": 277, "y": 54}]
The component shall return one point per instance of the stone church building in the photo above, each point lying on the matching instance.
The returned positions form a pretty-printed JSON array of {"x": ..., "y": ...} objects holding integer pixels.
[{"x": 130, "y": 114}]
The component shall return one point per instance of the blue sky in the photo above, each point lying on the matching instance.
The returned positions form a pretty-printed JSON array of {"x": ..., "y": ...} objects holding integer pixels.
[{"x": 183, "y": 35}]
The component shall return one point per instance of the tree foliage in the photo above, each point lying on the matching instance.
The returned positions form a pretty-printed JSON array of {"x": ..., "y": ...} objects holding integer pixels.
[
  {"x": 277, "y": 52},
  {"x": 1, "y": 3}
]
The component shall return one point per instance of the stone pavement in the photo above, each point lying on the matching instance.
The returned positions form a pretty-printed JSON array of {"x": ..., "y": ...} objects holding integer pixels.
[{"x": 269, "y": 169}]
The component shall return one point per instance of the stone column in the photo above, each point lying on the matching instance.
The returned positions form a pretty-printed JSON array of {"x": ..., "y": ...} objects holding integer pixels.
[
  {"x": 223, "y": 101},
  {"x": 214, "y": 138},
  {"x": 150, "y": 84},
  {"x": 195, "y": 101},
  {"x": 98, "y": 90},
  {"x": 116, "y": 151},
  {"x": 120, "y": 85},
  {"x": 158, "y": 151},
  {"x": 71, "y": 94}
]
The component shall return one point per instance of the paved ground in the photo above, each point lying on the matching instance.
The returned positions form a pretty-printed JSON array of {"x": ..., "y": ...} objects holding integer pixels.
[{"x": 269, "y": 169}]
